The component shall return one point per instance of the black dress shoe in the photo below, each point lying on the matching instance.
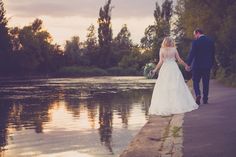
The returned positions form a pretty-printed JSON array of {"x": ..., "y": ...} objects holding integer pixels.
[
  {"x": 205, "y": 102},
  {"x": 198, "y": 99}
]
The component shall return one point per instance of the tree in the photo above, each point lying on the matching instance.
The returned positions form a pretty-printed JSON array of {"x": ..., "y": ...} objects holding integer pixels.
[
  {"x": 154, "y": 34},
  {"x": 167, "y": 10},
  {"x": 73, "y": 51},
  {"x": 123, "y": 38},
  {"x": 226, "y": 55},
  {"x": 181, "y": 39},
  {"x": 105, "y": 35},
  {"x": 162, "y": 25},
  {"x": 122, "y": 45},
  {"x": 36, "y": 44},
  {"x": 135, "y": 59},
  {"x": 220, "y": 17},
  {"x": 5, "y": 43},
  {"x": 148, "y": 39},
  {"x": 33, "y": 48},
  {"x": 91, "y": 46}
]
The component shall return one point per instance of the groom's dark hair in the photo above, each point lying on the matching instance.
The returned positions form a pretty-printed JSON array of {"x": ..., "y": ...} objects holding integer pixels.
[{"x": 198, "y": 30}]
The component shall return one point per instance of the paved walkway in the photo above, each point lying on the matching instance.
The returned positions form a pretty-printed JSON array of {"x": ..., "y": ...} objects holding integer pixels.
[{"x": 209, "y": 131}]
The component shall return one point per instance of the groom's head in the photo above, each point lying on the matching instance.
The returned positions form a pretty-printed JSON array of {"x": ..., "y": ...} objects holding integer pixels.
[{"x": 197, "y": 33}]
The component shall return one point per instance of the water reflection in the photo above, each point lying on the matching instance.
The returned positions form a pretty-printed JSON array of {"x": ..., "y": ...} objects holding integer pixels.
[
  {"x": 4, "y": 112},
  {"x": 67, "y": 119}
]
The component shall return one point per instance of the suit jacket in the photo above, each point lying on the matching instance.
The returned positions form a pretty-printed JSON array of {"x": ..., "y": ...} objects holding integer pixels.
[{"x": 201, "y": 55}]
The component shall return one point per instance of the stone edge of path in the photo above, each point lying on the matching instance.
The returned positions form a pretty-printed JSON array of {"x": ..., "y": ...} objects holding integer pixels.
[{"x": 161, "y": 136}]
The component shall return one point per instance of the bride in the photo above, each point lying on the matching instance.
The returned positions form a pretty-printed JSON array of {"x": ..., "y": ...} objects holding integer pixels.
[{"x": 171, "y": 95}]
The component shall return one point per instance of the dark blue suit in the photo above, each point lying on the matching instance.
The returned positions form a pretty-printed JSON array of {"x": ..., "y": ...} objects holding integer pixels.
[{"x": 201, "y": 59}]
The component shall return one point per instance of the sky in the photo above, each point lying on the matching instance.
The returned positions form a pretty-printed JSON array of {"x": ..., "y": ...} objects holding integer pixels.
[{"x": 66, "y": 18}]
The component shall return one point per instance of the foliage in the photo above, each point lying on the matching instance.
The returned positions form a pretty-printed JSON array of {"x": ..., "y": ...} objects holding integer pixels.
[
  {"x": 74, "y": 53},
  {"x": 81, "y": 71},
  {"x": 105, "y": 35},
  {"x": 122, "y": 39},
  {"x": 121, "y": 45},
  {"x": 154, "y": 34},
  {"x": 133, "y": 60},
  {"x": 30, "y": 49},
  {"x": 78, "y": 71},
  {"x": 91, "y": 46},
  {"x": 5, "y": 43},
  {"x": 119, "y": 71},
  {"x": 220, "y": 17},
  {"x": 33, "y": 50}
]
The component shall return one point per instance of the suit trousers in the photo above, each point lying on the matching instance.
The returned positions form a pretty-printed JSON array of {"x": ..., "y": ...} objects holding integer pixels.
[{"x": 197, "y": 76}]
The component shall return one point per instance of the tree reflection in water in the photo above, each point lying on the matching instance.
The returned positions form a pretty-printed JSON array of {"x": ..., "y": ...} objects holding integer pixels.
[
  {"x": 5, "y": 108},
  {"x": 105, "y": 121},
  {"x": 103, "y": 110}
]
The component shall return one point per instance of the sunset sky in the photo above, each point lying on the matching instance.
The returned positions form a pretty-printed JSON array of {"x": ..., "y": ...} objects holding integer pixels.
[{"x": 67, "y": 18}]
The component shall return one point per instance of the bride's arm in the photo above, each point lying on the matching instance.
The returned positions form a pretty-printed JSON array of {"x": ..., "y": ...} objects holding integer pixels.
[
  {"x": 180, "y": 60},
  {"x": 159, "y": 63}
]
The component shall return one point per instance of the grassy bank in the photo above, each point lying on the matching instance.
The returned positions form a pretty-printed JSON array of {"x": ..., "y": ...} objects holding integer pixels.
[
  {"x": 226, "y": 77},
  {"x": 229, "y": 81},
  {"x": 77, "y": 71}
]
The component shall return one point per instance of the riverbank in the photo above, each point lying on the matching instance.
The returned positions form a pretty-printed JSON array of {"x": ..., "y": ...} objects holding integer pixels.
[
  {"x": 77, "y": 71},
  {"x": 160, "y": 137}
]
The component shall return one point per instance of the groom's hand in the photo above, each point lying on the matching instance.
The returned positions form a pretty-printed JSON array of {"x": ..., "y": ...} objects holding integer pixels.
[{"x": 188, "y": 68}]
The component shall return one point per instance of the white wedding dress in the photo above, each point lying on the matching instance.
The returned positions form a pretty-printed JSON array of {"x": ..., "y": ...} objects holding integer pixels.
[{"x": 171, "y": 95}]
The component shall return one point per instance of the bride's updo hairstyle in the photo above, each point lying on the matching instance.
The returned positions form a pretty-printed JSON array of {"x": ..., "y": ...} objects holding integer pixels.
[{"x": 168, "y": 42}]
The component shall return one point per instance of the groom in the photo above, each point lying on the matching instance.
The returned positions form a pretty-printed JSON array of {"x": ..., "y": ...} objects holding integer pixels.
[{"x": 200, "y": 59}]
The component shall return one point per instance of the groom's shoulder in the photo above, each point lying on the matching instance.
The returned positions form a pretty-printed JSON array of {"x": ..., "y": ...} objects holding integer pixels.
[
  {"x": 209, "y": 40},
  {"x": 206, "y": 37}
]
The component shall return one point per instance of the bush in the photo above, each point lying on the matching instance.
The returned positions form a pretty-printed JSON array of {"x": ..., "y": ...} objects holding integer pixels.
[
  {"x": 115, "y": 71},
  {"x": 78, "y": 71},
  {"x": 119, "y": 71},
  {"x": 226, "y": 78},
  {"x": 81, "y": 71},
  {"x": 130, "y": 71}
]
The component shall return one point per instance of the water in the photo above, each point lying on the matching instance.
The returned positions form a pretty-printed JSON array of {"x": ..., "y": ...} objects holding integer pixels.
[{"x": 86, "y": 117}]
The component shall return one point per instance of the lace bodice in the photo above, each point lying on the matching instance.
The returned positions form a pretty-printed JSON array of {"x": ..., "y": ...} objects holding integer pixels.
[{"x": 168, "y": 53}]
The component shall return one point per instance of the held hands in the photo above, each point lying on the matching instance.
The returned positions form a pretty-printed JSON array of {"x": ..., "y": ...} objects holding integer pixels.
[{"x": 187, "y": 68}]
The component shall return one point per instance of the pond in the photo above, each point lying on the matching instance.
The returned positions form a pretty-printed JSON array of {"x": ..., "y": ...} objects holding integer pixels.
[{"x": 77, "y": 117}]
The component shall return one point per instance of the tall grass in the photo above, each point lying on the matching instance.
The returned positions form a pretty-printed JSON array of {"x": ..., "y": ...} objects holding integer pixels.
[{"x": 79, "y": 71}]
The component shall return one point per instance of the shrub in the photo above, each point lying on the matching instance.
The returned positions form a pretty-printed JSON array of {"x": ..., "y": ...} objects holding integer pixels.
[
  {"x": 81, "y": 71},
  {"x": 119, "y": 71}
]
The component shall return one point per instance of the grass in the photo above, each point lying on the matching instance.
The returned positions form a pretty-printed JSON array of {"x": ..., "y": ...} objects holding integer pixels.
[
  {"x": 229, "y": 81},
  {"x": 78, "y": 71},
  {"x": 175, "y": 131}
]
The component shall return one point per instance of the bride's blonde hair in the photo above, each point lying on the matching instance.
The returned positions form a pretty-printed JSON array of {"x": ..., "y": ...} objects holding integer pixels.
[{"x": 168, "y": 42}]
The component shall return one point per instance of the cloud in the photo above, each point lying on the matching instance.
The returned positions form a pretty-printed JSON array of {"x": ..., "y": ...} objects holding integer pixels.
[
  {"x": 67, "y": 18},
  {"x": 85, "y": 8},
  {"x": 77, "y": 26}
]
